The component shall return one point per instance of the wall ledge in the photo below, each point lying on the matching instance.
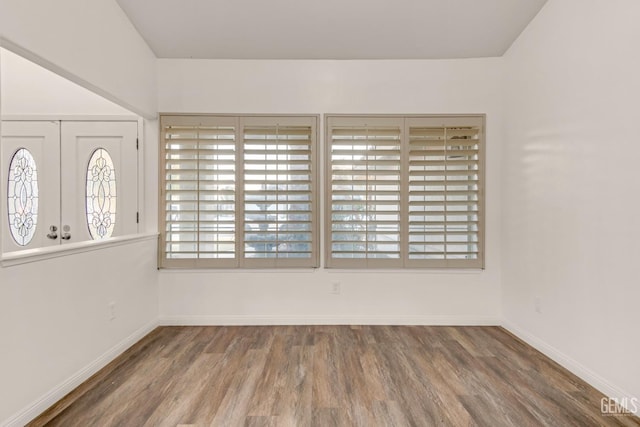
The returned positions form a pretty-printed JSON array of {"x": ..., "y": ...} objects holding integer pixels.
[{"x": 9, "y": 259}]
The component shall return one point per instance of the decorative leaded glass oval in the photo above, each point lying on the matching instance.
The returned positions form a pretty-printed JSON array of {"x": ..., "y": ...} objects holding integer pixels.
[
  {"x": 101, "y": 195},
  {"x": 22, "y": 196}
]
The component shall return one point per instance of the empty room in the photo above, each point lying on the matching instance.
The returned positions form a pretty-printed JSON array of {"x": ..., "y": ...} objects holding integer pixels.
[{"x": 337, "y": 213}]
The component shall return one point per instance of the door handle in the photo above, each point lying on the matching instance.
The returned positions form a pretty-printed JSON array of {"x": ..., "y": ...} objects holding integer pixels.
[
  {"x": 52, "y": 232},
  {"x": 66, "y": 235}
]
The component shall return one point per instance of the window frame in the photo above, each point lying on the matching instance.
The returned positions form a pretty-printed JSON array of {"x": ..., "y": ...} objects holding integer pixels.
[
  {"x": 403, "y": 262},
  {"x": 239, "y": 121}
]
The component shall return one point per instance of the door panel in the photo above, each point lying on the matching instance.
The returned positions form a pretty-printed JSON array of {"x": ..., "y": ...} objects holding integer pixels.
[
  {"x": 110, "y": 205},
  {"x": 34, "y": 202}
]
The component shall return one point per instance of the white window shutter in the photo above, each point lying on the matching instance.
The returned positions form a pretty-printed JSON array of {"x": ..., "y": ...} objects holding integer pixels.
[
  {"x": 364, "y": 192},
  {"x": 445, "y": 192},
  {"x": 405, "y": 192},
  {"x": 279, "y": 192},
  {"x": 198, "y": 212},
  {"x": 238, "y": 191}
]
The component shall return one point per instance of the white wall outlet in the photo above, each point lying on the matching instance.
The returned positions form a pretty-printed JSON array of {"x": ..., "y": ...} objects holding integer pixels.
[
  {"x": 537, "y": 305},
  {"x": 112, "y": 310},
  {"x": 335, "y": 288}
]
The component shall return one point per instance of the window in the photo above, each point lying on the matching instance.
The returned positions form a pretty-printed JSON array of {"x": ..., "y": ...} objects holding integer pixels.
[
  {"x": 102, "y": 195},
  {"x": 63, "y": 180},
  {"x": 404, "y": 192},
  {"x": 238, "y": 191},
  {"x": 22, "y": 196}
]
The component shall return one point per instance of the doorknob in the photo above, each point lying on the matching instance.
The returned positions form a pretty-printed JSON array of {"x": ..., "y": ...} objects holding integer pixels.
[
  {"x": 66, "y": 235},
  {"x": 53, "y": 235}
]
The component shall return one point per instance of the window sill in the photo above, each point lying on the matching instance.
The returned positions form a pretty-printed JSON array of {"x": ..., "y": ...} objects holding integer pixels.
[
  {"x": 34, "y": 255},
  {"x": 323, "y": 270}
]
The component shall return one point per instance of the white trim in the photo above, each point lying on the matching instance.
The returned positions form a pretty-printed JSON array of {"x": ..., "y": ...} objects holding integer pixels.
[
  {"x": 69, "y": 118},
  {"x": 44, "y": 63},
  {"x": 45, "y": 401},
  {"x": 427, "y": 271},
  {"x": 141, "y": 196},
  {"x": 237, "y": 320},
  {"x": 578, "y": 369},
  {"x": 9, "y": 259}
]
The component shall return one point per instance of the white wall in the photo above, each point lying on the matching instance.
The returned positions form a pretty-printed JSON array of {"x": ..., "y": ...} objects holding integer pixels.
[
  {"x": 91, "y": 42},
  {"x": 55, "y": 320},
  {"x": 29, "y": 89},
  {"x": 570, "y": 193},
  {"x": 55, "y": 325},
  {"x": 463, "y": 86}
]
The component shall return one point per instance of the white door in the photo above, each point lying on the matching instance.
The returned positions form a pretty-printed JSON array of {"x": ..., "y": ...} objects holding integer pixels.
[
  {"x": 99, "y": 180},
  {"x": 31, "y": 184}
]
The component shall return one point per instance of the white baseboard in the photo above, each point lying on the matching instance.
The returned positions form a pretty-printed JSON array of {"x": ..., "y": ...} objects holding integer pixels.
[
  {"x": 246, "y": 320},
  {"x": 595, "y": 380},
  {"x": 44, "y": 402}
]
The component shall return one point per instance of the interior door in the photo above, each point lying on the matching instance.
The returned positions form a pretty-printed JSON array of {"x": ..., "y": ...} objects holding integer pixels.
[
  {"x": 99, "y": 180},
  {"x": 31, "y": 184}
]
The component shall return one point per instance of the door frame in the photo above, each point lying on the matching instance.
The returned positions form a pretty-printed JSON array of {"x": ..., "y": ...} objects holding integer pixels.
[{"x": 142, "y": 226}]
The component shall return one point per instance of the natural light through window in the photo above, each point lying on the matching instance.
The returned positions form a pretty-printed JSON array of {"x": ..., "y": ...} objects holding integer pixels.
[
  {"x": 238, "y": 191},
  {"x": 102, "y": 195},
  {"x": 404, "y": 192},
  {"x": 22, "y": 196}
]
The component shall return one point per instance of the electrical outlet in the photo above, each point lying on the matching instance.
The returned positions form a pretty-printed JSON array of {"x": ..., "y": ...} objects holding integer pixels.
[
  {"x": 112, "y": 310},
  {"x": 537, "y": 304},
  {"x": 335, "y": 288}
]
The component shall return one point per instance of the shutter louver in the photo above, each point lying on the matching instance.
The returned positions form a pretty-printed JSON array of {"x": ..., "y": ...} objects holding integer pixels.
[
  {"x": 364, "y": 193},
  {"x": 238, "y": 191},
  {"x": 199, "y": 192},
  {"x": 405, "y": 191},
  {"x": 278, "y": 195},
  {"x": 444, "y": 187}
]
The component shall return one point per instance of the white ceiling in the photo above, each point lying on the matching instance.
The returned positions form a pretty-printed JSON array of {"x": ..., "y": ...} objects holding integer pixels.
[{"x": 330, "y": 29}]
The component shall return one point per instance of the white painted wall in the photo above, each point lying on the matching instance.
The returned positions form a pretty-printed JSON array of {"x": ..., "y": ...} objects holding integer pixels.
[
  {"x": 91, "y": 42},
  {"x": 462, "y": 86},
  {"x": 54, "y": 316},
  {"x": 29, "y": 89},
  {"x": 570, "y": 91},
  {"x": 571, "y": 222},
  {"x": 55, "y": 321}
]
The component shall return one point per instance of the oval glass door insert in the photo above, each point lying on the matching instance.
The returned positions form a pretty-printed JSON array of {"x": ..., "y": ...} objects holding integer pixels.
[
  {"x": 22, "y": 196},
  {"x": 101, "y": 195}
]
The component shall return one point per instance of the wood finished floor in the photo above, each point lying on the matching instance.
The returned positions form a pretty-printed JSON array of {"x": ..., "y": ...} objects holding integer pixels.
[{"x": 331, "y": 376}]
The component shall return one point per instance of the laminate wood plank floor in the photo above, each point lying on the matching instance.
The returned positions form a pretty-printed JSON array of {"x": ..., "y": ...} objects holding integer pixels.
[{"x": 332, "y": 376}]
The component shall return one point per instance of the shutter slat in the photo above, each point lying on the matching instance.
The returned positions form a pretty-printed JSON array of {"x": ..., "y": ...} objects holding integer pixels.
[
  {"x": 365, "y": 166},
  {"x": 291, "y": 152},
  {"x": 274, "y": 165},
  {"x": 442, "y": 153},
  {"x": 196, "y": 158},
  {"x": 426, "y": 183},
  {"x": 441, "y": 159}
]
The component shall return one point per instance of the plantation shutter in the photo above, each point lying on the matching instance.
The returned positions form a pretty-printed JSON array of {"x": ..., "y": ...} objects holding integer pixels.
[
  {"x": 405, "y": 191},
  {"x": 445, "y": 192},
  {"x": 198, "y": 199},
  {"x": 238, "y": 191},
  {"x": 364, "y": 192},
  {"x": 279, "y": 205}
]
